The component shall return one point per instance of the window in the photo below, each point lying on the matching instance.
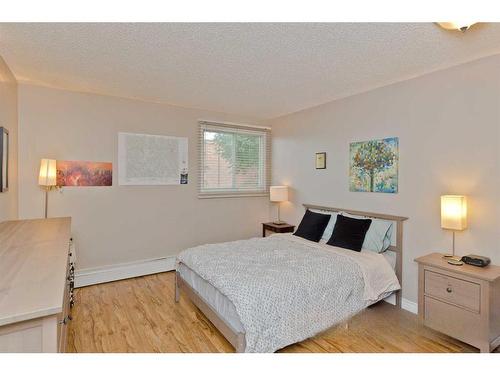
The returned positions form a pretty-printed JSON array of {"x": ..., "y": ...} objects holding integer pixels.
[{"x": 234, "y": 160}]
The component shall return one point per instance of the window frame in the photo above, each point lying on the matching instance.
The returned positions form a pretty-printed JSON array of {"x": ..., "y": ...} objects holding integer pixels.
[{"x": 265, "y": 156}]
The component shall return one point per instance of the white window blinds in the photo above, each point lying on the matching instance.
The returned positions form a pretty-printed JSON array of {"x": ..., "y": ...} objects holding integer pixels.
[{"x": 234, "y": 160}]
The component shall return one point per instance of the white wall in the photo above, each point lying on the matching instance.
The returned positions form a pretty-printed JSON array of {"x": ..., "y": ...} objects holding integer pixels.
[
  {"x": 448, "y": 127},
  {"x": 123, "y": 223},
  {"x": 8, "y": 119}
]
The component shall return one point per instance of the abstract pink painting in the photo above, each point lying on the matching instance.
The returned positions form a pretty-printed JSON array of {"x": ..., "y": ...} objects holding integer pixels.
[{"x": 84, "y": 173}]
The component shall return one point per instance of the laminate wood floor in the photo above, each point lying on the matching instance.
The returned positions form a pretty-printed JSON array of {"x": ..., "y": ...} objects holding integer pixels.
[{"x": 140, "y": 315}]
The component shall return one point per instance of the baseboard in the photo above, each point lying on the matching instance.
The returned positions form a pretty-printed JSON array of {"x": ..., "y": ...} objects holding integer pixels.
[
  {"x": 406, "y": 304},
  {"x": 91, "y": 276},
  {"x": 409, "y": 306}
]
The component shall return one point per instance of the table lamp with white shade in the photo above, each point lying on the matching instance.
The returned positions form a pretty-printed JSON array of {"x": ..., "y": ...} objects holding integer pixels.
[
  {"x": 47, "y": 178},
  {"x": 453, "y": 216},
  {"x": 278, "y": 194}
]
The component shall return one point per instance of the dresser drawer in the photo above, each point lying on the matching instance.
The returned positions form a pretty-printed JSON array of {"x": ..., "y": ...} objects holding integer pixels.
[
  {"x": 457, "y": 291},
  {"x": 452, "y": 320}
]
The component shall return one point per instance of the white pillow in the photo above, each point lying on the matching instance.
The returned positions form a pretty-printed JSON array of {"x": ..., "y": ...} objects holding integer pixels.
[
  {"x": 378, "y": 237},
  {"x": 331, "y": 224},
  {"x": 388, "y": 236}
]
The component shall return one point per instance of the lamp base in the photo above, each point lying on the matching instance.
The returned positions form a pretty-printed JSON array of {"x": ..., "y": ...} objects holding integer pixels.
[
  {"x": 279, "y": 222},
  {"x": 452, "y": 257},
  {"x": 454, "y": 262}
]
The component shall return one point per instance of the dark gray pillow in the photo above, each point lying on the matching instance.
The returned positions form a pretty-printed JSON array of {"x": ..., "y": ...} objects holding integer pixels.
[
  {"x": 349, "y": 233},
  {"x": 312, "y": 226}
]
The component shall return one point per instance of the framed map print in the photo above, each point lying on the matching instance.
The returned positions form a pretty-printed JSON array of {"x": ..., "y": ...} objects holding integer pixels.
[{"x": 145, "y": 159}]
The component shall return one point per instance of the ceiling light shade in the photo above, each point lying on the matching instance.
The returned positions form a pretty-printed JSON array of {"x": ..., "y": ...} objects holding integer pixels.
[
  {"x": 462, "y": 26},
  {"x": 47, "y": 176},
  {"x": 453, "y": 212}
]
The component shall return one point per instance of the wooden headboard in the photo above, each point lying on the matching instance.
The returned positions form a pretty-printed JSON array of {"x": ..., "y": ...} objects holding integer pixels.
[{"x": 397, "y": 247}]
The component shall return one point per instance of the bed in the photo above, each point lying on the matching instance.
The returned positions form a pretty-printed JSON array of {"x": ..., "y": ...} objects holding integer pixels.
[{"x": 266, "y": 293}]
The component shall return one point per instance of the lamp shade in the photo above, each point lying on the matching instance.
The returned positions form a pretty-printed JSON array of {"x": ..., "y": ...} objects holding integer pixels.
[
  {"x": 278, "y": 193},
  {"x": 453, "y": 212},
  {"x": 457, "y": 25},
  {"x": 47, "y": 176}
]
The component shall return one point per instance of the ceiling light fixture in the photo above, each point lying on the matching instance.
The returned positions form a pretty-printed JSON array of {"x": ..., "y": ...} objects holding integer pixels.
[{"x": 462, "y": 26}]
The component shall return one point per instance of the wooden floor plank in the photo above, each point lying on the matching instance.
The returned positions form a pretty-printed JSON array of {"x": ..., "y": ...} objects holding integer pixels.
[{"x": 140, "y": 315}]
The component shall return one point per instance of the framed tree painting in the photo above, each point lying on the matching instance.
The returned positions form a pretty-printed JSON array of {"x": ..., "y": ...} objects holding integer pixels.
[
  {"x": 374, "y": 165},
  {"x": 4, "y": 159}
]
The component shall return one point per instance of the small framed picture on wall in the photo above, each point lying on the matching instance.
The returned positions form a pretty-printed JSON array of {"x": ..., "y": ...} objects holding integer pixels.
[
  {"x": 4, "y": 159},
  {"x": 321, "y": 160}
]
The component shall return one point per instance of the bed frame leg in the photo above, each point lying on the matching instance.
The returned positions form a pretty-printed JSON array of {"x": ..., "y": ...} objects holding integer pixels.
[
  {"x": 240, "y": 343},
  {"x": 177, "y": 294},
  {"x": 398, "y": 299}
]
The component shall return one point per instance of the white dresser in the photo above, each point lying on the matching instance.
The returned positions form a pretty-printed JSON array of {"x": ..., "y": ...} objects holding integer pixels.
[{"x": 36, "y": 284}]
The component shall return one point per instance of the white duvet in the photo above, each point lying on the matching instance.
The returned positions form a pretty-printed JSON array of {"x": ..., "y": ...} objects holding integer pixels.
[{"x": 286, "y": 289}]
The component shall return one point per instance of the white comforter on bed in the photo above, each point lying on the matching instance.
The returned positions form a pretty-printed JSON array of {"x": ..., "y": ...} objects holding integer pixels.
[{"x": 286, "y": 289}]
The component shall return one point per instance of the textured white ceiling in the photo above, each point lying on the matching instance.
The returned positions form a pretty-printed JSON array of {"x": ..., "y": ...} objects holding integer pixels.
[{"x": 262, "y": 70}]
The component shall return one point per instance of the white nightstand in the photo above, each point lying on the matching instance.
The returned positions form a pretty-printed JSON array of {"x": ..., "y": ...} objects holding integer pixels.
[{"x": 460, "y": 301}]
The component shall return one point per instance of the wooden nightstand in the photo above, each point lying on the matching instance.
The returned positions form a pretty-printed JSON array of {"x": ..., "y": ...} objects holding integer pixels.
[
  {"x": 460, "y": 301},
  {"x": 277, "y": 228}
]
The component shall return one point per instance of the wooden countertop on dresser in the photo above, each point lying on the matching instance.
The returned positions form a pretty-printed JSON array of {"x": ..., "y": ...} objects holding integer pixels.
[
  {"x": 33, "y": 263},
  {"x": 488, "y": 273}
]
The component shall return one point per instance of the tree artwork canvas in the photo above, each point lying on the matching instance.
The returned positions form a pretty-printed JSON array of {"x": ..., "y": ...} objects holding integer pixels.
[{"x": 374, "y": 166}]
